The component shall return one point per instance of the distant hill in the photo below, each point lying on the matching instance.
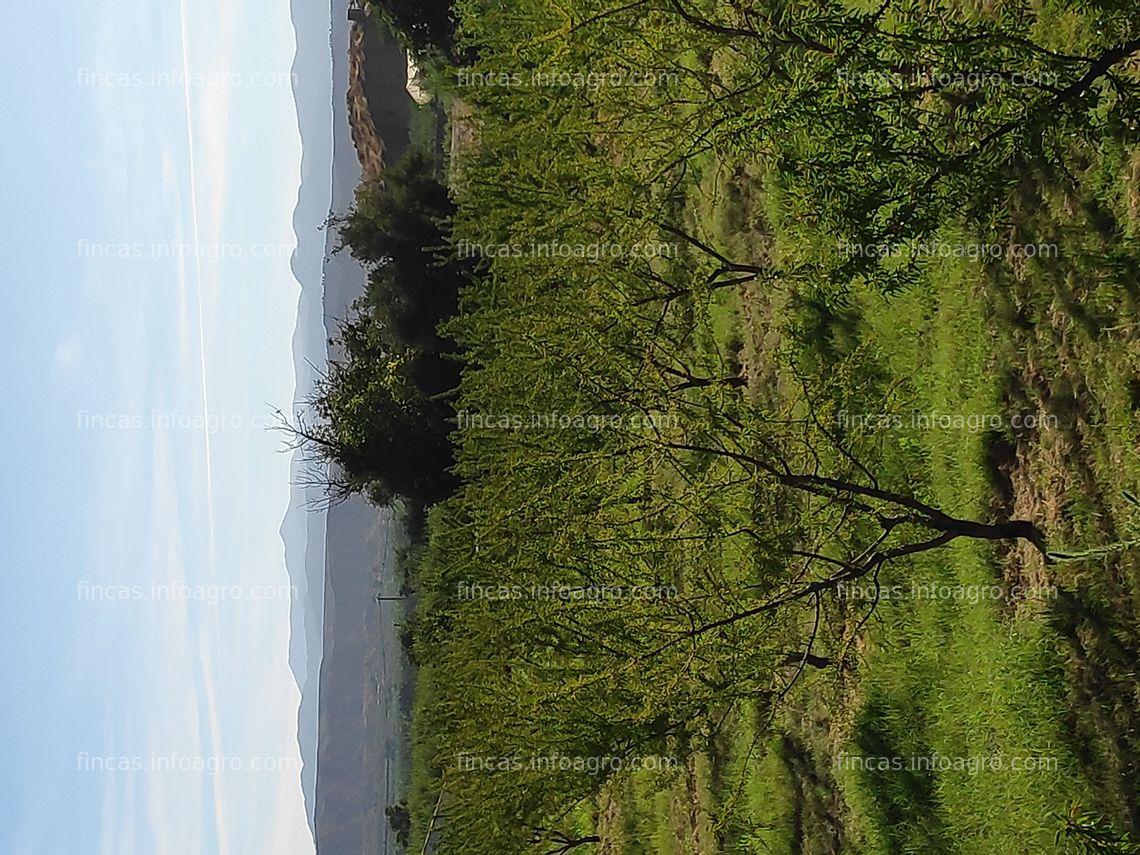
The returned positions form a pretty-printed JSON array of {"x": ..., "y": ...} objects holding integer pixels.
[
  {"x": 361, "y": 739},
  {"x": 379, "y": 106},
  {"x": 302, "y": 531}
]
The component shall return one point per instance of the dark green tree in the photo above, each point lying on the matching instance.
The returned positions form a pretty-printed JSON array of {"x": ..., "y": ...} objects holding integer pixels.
[
  {"x": 428, "y": 26},
  {"x": 400, "y": 232},
  {"x": 381, "y": 416},
  {"x": 373, "y": 427},
  {"x": 400, "y": 821}
]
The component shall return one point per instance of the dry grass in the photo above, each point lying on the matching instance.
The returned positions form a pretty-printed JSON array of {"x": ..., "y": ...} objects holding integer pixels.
[
  {"x": 1132, "y": 190},
  {"x": 369, "y": 146},
  {"x": 464, "y": 137}
]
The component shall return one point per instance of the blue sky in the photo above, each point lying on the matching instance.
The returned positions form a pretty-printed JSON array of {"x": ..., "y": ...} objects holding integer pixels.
[{"x": 150, "y": 168}]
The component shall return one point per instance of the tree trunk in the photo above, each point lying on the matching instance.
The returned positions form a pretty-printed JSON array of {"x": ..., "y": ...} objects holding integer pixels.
[{"x": 1012, "y": 530}]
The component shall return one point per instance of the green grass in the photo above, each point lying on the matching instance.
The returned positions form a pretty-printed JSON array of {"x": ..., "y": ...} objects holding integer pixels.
[
  {"x": 422, "y": 129},
  {"x": 944, "y": 677},
  {"x": 960, "y": 680},
  {"x": 957, "y": 678}
]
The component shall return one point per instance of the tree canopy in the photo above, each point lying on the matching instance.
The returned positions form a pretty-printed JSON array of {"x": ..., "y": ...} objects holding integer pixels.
[
  {"x": 382, "y": 415},
  {"x": 428, "y": 26}
]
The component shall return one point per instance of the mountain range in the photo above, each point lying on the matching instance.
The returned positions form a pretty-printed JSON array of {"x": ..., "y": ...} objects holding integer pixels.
[{"x": 344, "y": 646}]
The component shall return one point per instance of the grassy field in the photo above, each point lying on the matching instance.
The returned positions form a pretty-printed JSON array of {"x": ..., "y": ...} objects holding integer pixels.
[{"x": 1017, "y": 677}]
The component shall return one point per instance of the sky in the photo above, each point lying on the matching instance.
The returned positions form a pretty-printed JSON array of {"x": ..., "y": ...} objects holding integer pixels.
[{"x": 150, "y": 166}]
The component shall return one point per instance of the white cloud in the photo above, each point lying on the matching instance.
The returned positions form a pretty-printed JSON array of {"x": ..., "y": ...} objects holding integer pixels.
[{"x": 202, "y": 681}]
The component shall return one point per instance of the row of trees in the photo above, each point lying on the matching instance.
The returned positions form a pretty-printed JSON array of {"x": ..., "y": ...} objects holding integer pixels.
[{"x": 379, "y": 420}]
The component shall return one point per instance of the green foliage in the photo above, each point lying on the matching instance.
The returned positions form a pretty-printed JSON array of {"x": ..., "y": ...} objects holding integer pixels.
[
  {"x": 383, "y": 413},
  {"x": 1093, "y": 834},
  {"x": 1131, "y": 528},
  {"x": 400, "y": 233},
  {"x": 375, "y": 424},
  {"x": 694, "y": 480},
  {"x": 400, "y": 820},
  {"x": 427, "y": 26}
]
